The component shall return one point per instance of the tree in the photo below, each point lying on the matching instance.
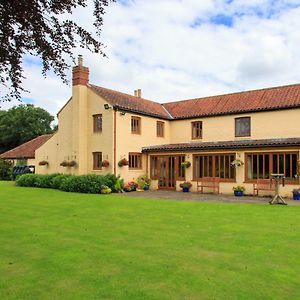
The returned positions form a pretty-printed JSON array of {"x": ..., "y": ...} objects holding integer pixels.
[
  {"x": 21, "y": 124},
  {"x": 42, "y": 28}
]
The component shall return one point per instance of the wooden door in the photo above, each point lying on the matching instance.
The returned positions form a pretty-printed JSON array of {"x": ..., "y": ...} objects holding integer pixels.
[{"x": 167, "y": 172}]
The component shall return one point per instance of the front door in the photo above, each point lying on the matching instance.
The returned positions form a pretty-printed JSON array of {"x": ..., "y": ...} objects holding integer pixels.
[{"x": 166, "y": 172}]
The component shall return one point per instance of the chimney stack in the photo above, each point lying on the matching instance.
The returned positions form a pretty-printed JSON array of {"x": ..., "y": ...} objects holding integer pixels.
[
  {"x": 138, "y": 93},
  {"x": 80, "y": 73}
]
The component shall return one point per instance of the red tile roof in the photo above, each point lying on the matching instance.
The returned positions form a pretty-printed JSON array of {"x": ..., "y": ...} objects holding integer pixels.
[
  {"x": 244, "y": 144},
  {"x": 242, "y": 102},
  {"x": 256, "y": 100},
  {"x": 26, "y": 150},
  {"x": 131, "y": 103}
]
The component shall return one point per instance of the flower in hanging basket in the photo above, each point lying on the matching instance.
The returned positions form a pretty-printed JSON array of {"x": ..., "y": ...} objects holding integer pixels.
[
  {"x": 105, "y": 163},
  {"x": 72, "y": 163},
  {"x": 237, "y": 163},
  {"x": 64, "y": 163},
  {"x": 123, "y": 162},
  {"x": 43, "y": 163},
  {"x": 185, "y": 164}
]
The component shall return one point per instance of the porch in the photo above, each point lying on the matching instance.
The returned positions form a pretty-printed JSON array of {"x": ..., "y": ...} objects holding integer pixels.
[{"x": 212, "y": 198}]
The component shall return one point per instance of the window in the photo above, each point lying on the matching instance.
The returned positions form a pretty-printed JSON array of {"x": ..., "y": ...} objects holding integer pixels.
[
  {"x": 97, "y": 160},
  {"x": 217, "y": 165},
  {"x": 160, "y": 129},
  {"x": 197, "y": 130},
  {"x": 97, "y": 123},
  {"x": 262, "y": 165},
  {"x": 136, "y": 125},
  {"x": 243, "y": 127},
  {"x": 135, "y": 160}
]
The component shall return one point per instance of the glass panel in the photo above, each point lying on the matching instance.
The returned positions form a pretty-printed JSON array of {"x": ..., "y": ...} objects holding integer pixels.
[
  {"x": 294, "y": 165},
  {"x": 261, "y": 166},
  {"x": 267, "y": 166}
]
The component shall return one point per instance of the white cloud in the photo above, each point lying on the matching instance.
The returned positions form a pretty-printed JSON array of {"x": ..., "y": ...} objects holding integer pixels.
[{"x": 152, "y": 45}]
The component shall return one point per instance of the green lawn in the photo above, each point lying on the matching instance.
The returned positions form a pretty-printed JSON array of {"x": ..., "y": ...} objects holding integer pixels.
[{"x": 56, "y": 245}]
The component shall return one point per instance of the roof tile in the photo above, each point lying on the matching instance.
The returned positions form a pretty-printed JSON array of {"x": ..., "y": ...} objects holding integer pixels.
[{"x": 26, "y": 150}]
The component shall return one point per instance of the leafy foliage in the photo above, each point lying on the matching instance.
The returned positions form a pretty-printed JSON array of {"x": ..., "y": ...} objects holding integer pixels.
[
  {"x": 27, "y": 180},
  {"x": 45, "y": 29},
  {"x": 21, "y": 124},
  {"x": 90, "y": 184},
  {"x": 5, "y": 169}
]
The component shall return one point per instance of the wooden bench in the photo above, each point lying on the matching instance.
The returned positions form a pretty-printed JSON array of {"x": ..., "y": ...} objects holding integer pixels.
[
  {"x": 263, "y": 185},
  {"x": 208, "y": 182}
]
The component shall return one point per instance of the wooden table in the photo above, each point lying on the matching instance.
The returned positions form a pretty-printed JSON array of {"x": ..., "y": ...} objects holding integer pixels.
[{"x": 277, "y": 198}]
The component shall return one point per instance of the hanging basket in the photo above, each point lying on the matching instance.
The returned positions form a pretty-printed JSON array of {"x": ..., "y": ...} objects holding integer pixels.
[
  {"x": 64, "y": 163},
  {"x": 105, "y": 163},
  {"x": 123, "y": 162},
  {"x": 72, "y": 163}
]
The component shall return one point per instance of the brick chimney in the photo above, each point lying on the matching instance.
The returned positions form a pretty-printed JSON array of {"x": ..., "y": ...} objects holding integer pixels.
[{"x": 80, "y": 73}]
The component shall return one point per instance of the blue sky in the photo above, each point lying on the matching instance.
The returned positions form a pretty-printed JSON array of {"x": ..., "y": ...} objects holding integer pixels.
[{"x": 181, "y": 49}]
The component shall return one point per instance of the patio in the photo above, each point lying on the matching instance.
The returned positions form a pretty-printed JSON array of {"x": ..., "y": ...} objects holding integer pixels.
[{"x": 214, "y": 198}]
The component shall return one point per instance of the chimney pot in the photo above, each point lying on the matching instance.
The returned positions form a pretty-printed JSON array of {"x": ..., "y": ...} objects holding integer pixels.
[
  {"x": 139, "y": 93},
  {"x": 80, "y": 60}
]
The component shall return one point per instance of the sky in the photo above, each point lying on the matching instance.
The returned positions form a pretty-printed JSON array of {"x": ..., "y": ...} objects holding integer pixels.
[{"x": 182, "y": 49}]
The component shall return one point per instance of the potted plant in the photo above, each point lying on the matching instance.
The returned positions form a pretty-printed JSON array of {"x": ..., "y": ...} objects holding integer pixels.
[
  {"x": 64, "y": 163},
  {"x": 72, "y": 163},
  {"x": 105, "y": 163},
  {"x": 185, "y": 164},
  {"x": 130, "y": 186},
  {"x": 296, "y": 194},
  {"x": 238, "y": 191},
  {"x": 144, "y": 182},
  {"x": 119, "y": 185},
  {"x": 237, "y": 163},
  {"x": 185, "y": 186},
  {"x": 43, "y": 163},
  {"x": 123, "y": 162}
]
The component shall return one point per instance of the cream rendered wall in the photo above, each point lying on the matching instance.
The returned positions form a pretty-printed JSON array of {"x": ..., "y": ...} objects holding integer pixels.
[
  {"x": 75, "y": 139},
  {"x": 128, "y": 142},
  {"x": 99, "y": 141},
  {"x": 264, "y": 125},
  {"x": 49, "y": 153}
]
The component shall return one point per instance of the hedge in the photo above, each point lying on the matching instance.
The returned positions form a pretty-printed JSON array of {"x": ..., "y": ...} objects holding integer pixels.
[{"x": 91, "y": 184}]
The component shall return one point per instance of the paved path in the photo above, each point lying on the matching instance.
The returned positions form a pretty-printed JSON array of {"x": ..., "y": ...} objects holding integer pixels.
[{"x": 172, "y": 195}]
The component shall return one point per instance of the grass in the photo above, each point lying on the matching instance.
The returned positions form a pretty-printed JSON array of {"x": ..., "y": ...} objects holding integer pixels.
[{"x": 56, "y": 245}]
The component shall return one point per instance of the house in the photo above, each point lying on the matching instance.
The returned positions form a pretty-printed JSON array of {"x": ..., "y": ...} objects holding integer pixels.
[
  {"x": 25, "y": 153},
  {"x": 260, "y": 128}
]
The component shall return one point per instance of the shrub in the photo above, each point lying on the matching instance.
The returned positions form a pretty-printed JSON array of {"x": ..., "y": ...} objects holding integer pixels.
[
  {"x": 91, "y": 184},
  {"x": 5, "y": 169},
  {"x": 110, "y": 180},
  {"x": 27, "y": 180},
  {"x": 58, "y": 180},
  {"x": 45, "y": 181}
]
